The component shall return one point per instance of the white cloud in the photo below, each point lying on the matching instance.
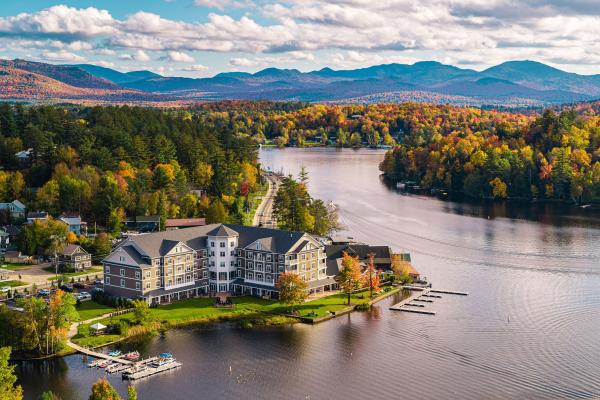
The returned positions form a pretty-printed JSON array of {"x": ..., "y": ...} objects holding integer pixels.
[
  {"x": 62, "y": 56},
  {"x": 470, "y": 32},
  {"x": 139, "y": 55},
  {"x": 179, "y": 56},
  {"x": 195, "y": 68}
]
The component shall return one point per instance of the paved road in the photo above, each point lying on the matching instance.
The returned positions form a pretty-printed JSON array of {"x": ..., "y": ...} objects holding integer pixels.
[{"x": 264, "y": 211}]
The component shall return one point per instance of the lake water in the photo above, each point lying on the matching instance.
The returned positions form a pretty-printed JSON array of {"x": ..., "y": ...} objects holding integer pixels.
[{"x": 530, "y": 328}]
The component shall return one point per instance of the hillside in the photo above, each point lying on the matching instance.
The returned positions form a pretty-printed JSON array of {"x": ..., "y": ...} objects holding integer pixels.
[
  {"x": 511, "y": 84},
  {"x": 18, "y": 84}
]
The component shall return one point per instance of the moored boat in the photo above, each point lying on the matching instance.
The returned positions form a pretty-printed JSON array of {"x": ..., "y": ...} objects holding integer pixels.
[
  {"x": 104, "y": 364},
  {"x": 132, "y": 356},
  {"x": 115, "y": 353}
]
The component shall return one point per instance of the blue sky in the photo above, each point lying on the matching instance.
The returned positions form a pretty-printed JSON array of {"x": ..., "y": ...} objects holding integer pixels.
[{"x": 199, "y": 38}]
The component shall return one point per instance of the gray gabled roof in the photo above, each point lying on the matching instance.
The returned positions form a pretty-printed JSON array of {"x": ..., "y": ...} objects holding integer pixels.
[
  {"x": 160, "y": 243},
  {"x": 223, "y": 231},
  {"x": 280, "y": 241},
  {"x": 71, "y": 249}
]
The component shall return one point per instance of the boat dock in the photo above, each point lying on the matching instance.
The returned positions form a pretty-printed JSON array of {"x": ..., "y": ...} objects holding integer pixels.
[
  {"x": 143, "y": 371},
  {"x": 422, "y": 295}
]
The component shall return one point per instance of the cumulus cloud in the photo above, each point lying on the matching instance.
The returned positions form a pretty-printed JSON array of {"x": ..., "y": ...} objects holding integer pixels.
[
  {"x": 179, "y": 56},
  {"x": 195, "y": 68},
  {"x": 139, "y": 55},
  {"x": 356, "y": 32},
  {"x": 62, "y": 56}
]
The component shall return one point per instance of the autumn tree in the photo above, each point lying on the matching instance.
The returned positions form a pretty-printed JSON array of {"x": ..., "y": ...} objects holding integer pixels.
[
  {"x": 102, "y": 390},
  {"x": 8, "y": 388},
  {"x": 292, "y": 289},
  {"x": 371, "y": 278},
  {"x": 349, "y": 278}
]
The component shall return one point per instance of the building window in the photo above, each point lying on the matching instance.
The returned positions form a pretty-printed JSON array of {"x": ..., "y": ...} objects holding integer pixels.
[
  {"x": 221, "y": 244},
  {"x": 122, "y": 272},
  {"x": 250, "y": 275},
  {"x": 250, "y": 265},
  {"x": 204, "y": 274},
  {"x": 223, "y": 288},
  {"x": 137, "y": 274},
  {"x": 122, "y": 282},
  {"x": 148, "y": 285},
  {"x": 137, "y": 285},
  {"x": 148, "y": 274},
  {"x": 222, "y": 254},
  {"x": 107, "y": 280},
  {"x": 232, "y": 243},
  {"x": 212, "y": 244},
  {"x": 222, "y": 276},
  {"x": 239, "y": 263},
  {"x": 222, "y": 264},
  {"x": 107, "y": 270}
]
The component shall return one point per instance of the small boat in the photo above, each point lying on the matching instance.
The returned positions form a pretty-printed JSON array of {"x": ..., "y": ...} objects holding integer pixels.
[
  {"x": 133, "y": 356},
  {"x": 115, "y": 353},
  {"x": 95, "y": 363},
  {"x": 165, "y": 355},
  {"x": 162, "y": 361},
  {"x": 104, "y": 364}
]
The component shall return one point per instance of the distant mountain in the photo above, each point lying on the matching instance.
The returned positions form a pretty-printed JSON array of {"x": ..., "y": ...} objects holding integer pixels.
[
  {"x": 67, "y": 74},
  {"x": 543, "y": 77},
  {"x": 21, "y": 84},
  {"x": 513, "y": 83},
  {"x": 116, "y": 76}
]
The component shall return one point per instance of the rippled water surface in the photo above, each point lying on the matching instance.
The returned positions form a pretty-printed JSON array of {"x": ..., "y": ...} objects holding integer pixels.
[{"x": 530, "y": 328}]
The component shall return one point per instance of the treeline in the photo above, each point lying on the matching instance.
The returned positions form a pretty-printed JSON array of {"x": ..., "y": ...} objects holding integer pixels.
[
  {"x": 107, "y": 163},
  {"x": 490, "y": 154},
  {"x": 295, "y": 210}
]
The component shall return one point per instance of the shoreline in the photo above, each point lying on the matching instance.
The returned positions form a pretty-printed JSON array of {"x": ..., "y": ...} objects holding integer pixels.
[{"x": 249, "y": 320}]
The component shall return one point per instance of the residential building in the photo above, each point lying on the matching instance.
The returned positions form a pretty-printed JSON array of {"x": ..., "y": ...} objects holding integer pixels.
[
  {"x": 180, "y": 223},
  {"x": 165, "y": 266},
  {"x": 4, "y": 240},
  {"x": 73, "y": 222},
  {"x": 36, "y": 216},
  {"x": 143, "y": 223},
  {"x": 14, "y": 256},
  {"x": 382, "y": 255},
  {"x": 16, "y": 210},
  {"x": 74, "y": 258}
]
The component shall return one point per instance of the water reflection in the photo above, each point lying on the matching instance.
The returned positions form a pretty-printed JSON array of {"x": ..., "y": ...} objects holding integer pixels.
[{"x": 527, "y": 330}]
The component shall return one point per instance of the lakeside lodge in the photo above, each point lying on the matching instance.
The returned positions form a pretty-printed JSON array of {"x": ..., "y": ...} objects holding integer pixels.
[{"x": 225, "y": 258}]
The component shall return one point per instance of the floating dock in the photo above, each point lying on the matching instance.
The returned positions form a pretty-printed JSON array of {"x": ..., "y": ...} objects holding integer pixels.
[
  {"x": 413, "y": 310},
  {"x": 143, "y": 371},
  {"x": 422, "y": 295}
]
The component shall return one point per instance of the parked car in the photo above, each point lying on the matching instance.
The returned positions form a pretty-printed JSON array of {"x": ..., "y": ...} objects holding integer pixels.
[
  {"x": 4, "y": 289},
  {"x": 84, "y": 296},
  {"x": 98, "y": 282},
  {"x": 66, "y": 288},
  {"x": 19, "y": 296},
  {"x": 43, "y": 293},
  {"x": 78, "y": 285}
]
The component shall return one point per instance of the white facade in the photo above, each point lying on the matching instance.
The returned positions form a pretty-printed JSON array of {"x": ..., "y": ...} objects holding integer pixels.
[{"x": 221, "y": 262}]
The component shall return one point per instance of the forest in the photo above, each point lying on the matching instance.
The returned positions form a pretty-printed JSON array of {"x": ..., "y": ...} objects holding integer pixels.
[
  {"x": 485, "y": 154},
  {"x": 108, "y": 163}
]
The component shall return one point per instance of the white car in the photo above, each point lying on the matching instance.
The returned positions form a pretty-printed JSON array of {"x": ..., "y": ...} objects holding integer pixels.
[
  {"x": 4, "y": 289},
  {"x": 84, "y": 296}
]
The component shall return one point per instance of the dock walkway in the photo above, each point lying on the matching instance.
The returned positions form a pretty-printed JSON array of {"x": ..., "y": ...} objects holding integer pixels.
[{"x": 407, "y": 304}]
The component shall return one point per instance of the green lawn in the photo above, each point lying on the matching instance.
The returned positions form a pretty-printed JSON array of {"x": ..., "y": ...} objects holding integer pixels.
[
  {"x": 247, "y": 309},
  {"x": 12, "y": 283},
  {"x": 68, "y": 275},
  {"x": 325, "y": 305},
  {"x": 90, "y": 309},
  {"x": 15, "y": 267}
]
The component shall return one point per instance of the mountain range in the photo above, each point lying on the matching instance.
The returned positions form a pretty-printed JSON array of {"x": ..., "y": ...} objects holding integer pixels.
[{"x": 513, "y": 83}]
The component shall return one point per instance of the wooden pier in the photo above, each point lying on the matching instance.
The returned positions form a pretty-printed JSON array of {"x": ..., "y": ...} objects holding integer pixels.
[
  {"x": 143, "y": 371},
  {"x": 422, "y": 295},
  {"x": 413, "y": 310}
]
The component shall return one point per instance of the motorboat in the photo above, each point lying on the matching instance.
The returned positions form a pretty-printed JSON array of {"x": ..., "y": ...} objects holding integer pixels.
[{"x": 115, "y": 353}]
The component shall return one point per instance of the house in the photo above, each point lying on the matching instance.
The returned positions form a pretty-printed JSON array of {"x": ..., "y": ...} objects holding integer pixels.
[
  {"x": 24, "y": 157},
  {"x": 144, "y": 223},
  {"x": 16, "y": 210},
  {"x": 73, "y": 222},
  {"x": 4, "y": 240},
  {"x": 16, "y": 257},
  {"x": 36, "y": 216},
  {"x": 383, "y": 256},
  {"x": 179, "y": 223},
  {"x": 74, "y": 258},
  {"x": 226, "y": 258}
]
